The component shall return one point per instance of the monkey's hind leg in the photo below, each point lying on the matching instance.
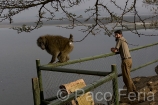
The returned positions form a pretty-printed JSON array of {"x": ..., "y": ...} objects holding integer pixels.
[
  {"x": 67, "y": 58},
  {"x": 63, "y": 58}
]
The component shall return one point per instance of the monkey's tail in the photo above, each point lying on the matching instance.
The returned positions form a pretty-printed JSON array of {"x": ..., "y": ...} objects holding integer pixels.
[{"x": 71, "y": 38}]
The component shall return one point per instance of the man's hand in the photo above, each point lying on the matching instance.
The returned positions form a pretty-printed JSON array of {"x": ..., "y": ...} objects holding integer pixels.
[{"x": 113, "y": 49}]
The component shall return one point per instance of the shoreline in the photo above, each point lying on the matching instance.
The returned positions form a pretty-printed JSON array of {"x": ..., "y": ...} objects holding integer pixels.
[
  {"x": 139, "y": 25},
  {"x": 5, "y": 26}
]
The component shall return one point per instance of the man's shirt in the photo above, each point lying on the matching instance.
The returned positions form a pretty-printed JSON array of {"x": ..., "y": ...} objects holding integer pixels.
[{"x": 122, "y": 47}]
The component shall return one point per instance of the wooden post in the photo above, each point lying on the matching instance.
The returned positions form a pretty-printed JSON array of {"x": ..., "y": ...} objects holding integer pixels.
[
  {"x": 36, "y": 91},
  {"x": 39, "y": 74},
  {"x": 115, "y": 85}
]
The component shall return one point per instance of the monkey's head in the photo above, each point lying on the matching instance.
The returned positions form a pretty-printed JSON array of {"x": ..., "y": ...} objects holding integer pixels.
[{"x": 41, "y": 41}]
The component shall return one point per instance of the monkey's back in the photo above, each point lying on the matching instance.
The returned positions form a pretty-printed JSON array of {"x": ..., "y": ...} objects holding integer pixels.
[{"x": 57, "y": 42}]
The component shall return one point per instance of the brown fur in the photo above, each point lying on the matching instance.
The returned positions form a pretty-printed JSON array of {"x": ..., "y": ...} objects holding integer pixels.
[{"x": 58, "y": 46}]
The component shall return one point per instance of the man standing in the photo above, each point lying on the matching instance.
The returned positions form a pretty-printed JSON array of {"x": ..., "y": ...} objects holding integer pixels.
[{"x": 122, "y": 48}]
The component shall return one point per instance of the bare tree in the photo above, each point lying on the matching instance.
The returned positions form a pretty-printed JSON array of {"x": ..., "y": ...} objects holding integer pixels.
[{"x": 10, "y": 8}]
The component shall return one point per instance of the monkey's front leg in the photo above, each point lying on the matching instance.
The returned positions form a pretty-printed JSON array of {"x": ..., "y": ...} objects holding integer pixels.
[
  {"x": 54, "y": 56},
  {"x": 53, "y": 59}
]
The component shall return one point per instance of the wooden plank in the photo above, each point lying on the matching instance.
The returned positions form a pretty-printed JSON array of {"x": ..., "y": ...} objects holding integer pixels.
[
  {"x": 77, "y": 71},
  {"x": 85, "y": 99},
  {"x": 36, "y": 91}
]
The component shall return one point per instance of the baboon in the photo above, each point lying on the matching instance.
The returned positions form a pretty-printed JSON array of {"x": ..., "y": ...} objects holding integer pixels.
[{"x": 58, "y": 46}]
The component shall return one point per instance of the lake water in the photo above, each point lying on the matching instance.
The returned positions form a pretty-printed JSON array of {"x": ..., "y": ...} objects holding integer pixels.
[{"x": 19, "y": 52}]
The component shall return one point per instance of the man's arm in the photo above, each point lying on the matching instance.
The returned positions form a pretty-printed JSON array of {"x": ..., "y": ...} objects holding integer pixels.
[{"x": 115, "y": 50}]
